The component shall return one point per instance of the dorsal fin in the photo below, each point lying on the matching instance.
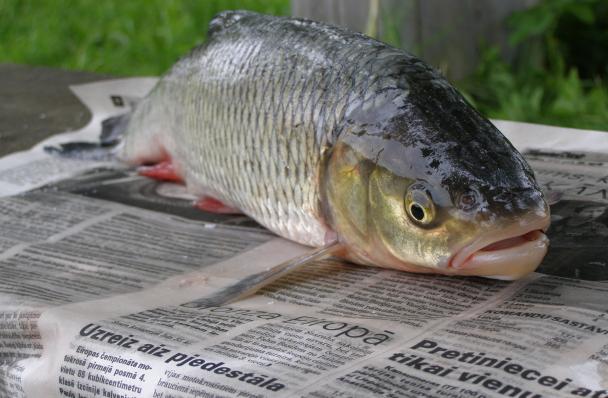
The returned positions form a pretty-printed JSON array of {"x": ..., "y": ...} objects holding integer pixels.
[{"x": 226, "y": 18}]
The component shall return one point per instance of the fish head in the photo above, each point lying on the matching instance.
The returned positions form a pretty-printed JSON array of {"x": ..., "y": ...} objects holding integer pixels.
[{"x": 426, "y": 198}]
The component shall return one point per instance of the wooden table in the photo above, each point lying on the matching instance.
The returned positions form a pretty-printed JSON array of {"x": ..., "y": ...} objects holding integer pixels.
[{"x": 35, "y": 102}]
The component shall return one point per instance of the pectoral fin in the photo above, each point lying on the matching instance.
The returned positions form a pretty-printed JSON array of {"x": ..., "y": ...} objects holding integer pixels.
[
  {"x": 163, "y": 171},
  {"x": 212, "y": 205},
  {"x": 251, "y": 284}
]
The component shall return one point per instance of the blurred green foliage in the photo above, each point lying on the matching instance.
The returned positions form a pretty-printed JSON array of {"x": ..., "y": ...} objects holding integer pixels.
[
  {"x": 560, "y": 75},
  {"x": 128, "y": 37}
]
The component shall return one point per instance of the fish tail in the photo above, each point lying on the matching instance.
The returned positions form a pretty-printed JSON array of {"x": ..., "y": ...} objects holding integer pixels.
[{"x": 112, "y": 132}]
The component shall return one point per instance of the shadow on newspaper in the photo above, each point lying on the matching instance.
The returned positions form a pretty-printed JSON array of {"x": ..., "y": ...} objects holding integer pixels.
[{"x": 579, "y": 241}]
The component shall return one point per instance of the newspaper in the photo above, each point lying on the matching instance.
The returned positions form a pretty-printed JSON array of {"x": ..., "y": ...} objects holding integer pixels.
[{"x": 109, "y": 280}]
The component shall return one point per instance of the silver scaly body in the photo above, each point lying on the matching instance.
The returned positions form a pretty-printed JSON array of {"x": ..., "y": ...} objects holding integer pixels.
[{"x": 248, "y": 117}]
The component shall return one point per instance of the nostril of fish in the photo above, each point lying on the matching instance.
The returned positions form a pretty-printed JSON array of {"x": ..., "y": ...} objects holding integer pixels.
[{"x": 469, "y": 200}]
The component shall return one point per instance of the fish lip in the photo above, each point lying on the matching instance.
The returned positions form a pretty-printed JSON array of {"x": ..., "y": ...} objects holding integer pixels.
[{"x": 531, "y": 230}]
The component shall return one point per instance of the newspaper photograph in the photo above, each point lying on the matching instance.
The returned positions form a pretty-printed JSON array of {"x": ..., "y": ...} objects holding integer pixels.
[{"x": 114, "y": 285}]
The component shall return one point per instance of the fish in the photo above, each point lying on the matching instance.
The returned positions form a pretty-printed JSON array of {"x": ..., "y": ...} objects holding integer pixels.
[{"x": 326, "y": 135}]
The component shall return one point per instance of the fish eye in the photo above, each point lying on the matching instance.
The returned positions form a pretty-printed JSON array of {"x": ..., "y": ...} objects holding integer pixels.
[
  {"x": 419, "y": 205},
  {"x": 417, "y": 211}
]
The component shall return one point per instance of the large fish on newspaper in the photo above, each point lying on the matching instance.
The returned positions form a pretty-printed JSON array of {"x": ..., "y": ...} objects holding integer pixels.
[{"x": 322, "y": 134}]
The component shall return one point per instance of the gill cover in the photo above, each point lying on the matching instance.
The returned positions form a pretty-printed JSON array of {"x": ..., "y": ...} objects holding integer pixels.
[{"x": 385, "y": 219}]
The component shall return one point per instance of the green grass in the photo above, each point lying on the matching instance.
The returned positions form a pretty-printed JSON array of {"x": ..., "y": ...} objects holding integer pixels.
[
  {"x": 122, "y": 37},
  {"x": 560, "y": 76},
  {"x": 501, "y": 91}
]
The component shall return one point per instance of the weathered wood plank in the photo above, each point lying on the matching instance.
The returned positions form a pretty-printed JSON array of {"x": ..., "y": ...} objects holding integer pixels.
[
  {"x": 37, "y": 103},
  {"x": 448, "y": 34},
  {"x": 351, "y": 14},
  {"x": 453, "y": 33}
]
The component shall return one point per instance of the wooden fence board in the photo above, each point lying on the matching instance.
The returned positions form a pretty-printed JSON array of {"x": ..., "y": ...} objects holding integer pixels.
[{"x": 449, "y": 34}]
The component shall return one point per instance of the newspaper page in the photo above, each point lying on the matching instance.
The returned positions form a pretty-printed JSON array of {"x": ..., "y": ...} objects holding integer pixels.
[
  {"x": 112, "y": 287},
  {"x": 59, "y": 248}
]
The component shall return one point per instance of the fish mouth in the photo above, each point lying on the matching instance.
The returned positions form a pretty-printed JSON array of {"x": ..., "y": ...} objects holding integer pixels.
[{"x": 510, "y": 253}]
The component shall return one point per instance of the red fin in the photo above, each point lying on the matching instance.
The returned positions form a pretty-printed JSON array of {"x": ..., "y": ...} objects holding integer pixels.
[
  {"x": 213, "y": 205},
  {"x": 163, "y": 171}
]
